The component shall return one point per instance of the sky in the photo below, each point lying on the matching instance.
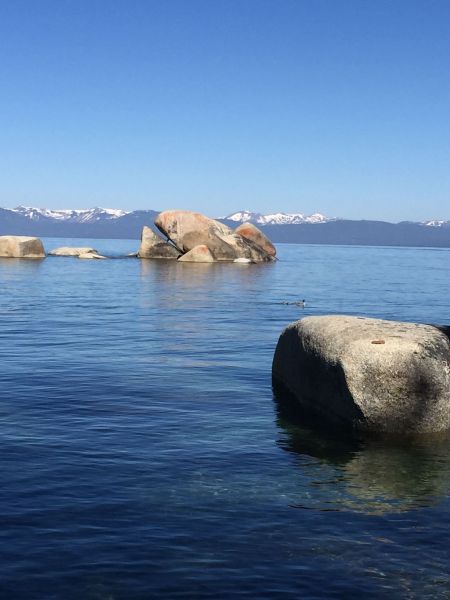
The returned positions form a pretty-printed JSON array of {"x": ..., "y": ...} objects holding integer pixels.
[{"x": 333, "y": 106}]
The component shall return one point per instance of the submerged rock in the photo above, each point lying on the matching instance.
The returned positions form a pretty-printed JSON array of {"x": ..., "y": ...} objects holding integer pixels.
[
  {"x": 16, "y": 246},
  {"x": 374, "y": 375},
  {"x": 201, "y": 254},
  {"x": 152, "y": 246},
  {"x": 252, "y": 233}
]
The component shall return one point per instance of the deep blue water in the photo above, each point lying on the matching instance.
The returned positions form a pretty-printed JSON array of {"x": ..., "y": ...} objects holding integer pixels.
[{"x": 143, "y": 454}]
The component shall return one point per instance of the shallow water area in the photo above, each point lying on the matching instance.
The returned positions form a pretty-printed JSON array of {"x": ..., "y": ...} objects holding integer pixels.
[{"x": 143, "y": 453}]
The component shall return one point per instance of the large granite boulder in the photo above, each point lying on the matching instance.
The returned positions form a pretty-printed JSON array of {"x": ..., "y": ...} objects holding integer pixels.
[
  {"x": 216, "y": 244},
  {"x": 374, "y": 375},
  {"x": 152, "y": 246},
  {"x": 200, "y": 254},
  {"x": 187, "y": 229},
  {"x": 175, "y": 224},
  {"x": 72, "y": 251},
  {"x": 16, "y": 246},
  {"x": 252, "y": 233}
]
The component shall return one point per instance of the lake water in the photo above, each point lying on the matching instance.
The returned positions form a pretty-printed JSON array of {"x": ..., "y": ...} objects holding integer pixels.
[{"x": 143, "y": 454}]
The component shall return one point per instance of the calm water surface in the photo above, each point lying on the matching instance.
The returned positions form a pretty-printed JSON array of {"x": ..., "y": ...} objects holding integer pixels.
[{"x": 143, "y": 454}]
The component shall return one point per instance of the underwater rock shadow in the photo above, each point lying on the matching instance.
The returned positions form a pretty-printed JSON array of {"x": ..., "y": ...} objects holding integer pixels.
[{"x": 377, "y": 475}]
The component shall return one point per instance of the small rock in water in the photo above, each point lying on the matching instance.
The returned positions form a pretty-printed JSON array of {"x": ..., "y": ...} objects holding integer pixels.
[
  {"x": 72, "y": 251},
  {"x": 242, "y": 261}
]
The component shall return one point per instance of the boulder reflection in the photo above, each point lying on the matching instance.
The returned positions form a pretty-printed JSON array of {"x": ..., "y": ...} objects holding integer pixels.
[
  {"x": 372, "y": 475},
  {"x": 13, "y": 268}
]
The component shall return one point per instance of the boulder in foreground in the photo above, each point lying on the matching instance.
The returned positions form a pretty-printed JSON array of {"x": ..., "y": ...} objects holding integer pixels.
[
  {"x": 15, "y": 246},
  {"x": 152, "y": 246},
  {"x": 374, "y": 375}
]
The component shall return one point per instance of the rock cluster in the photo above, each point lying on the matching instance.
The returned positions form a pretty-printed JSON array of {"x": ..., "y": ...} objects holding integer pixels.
[
  {"x": 371, "y": 374},
  {"x": 189, "y": 237},
  {"x": 192, "y": 237}
]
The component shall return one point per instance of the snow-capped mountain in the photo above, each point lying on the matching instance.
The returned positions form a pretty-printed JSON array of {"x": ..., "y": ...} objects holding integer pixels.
[
  {"x": 436, "y": 223},
  {"x": 280, "y": 227},
  {"x": 277, "y": 218},
  {"x": 89, "y": 215}
]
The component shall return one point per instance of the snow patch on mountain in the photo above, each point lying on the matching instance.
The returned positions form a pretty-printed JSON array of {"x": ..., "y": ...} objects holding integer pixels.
[
  {"x": 76, "y": 216},
  {"x": 277, "y": 218},
  {"x": 436, "y": 223}
]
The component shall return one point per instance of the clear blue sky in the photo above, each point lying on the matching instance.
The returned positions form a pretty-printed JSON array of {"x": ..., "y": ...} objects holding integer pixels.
[{"x": 337, "y": 106}]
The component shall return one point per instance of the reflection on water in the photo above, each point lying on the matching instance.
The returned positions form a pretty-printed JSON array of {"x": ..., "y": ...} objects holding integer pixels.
[
  {"x": 192, "y": 274},
  {"x": 18, "y": 266},
  {"x": 372, "y": 476},
  {"x": 140, "y": 454}
]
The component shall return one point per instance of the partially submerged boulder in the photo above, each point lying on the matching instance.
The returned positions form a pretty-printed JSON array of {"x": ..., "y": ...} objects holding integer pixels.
[
  {"x": 199, "y": 254},
  {"x": 72, "y": 251},
  {"x": 374, "y": 375},
  {"x": 252, "y": 233},
  {"x": 16, "y": 246},
  {"x": 152, "y": 246}
]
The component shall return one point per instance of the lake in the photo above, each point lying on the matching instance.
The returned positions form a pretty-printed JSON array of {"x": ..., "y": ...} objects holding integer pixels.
[{"x": 143, "y": 454}]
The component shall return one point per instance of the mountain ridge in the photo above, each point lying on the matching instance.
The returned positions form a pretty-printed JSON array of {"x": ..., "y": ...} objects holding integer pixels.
[{"x": 279, "y": 227}]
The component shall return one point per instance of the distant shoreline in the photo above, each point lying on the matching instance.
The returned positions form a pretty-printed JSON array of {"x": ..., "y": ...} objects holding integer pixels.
[{"x": 334, "y": 232}]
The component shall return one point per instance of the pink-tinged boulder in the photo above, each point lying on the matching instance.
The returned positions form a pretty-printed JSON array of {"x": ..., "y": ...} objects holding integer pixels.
[
  {"x": 16, "y": 246},
  {"x": 225, "y": 247},
  {"x": 244, "y": 248},
  {"x": 187, "y": 229},
  {"x": 175, "y": 224},
  {"x": 217, "y": 246},
  {"x": 252, "y": 233},
  {"x": 152, "y": 246},
  {"x": 199, "y": 254}
]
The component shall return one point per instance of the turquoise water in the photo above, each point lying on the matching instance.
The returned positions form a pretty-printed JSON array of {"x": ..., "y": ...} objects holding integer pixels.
[{"x": 144, "y": 455}]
